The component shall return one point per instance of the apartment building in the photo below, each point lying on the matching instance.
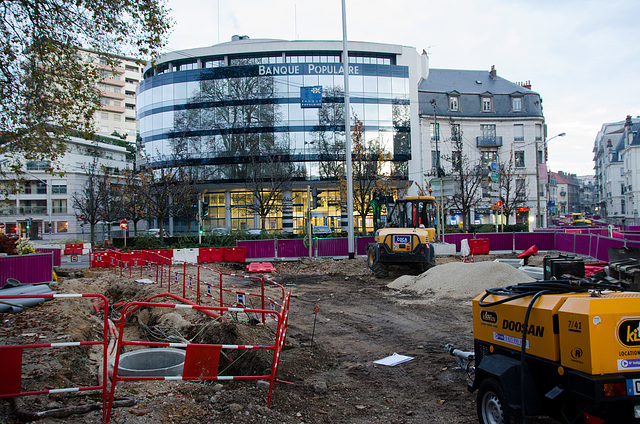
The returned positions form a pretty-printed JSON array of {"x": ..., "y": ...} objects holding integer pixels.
[
  {"x": 495, "y": 121},
  {"x": 43, "y": 208},
  {"x": 118, "y": 95},
  {"x": 617, "y": 166}
]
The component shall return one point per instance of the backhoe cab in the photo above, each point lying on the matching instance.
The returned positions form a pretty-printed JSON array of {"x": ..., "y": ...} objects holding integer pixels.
[{"x": 404, "y": 236}]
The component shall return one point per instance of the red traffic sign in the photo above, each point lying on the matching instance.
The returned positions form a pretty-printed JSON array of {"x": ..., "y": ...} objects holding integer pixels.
[
  {"x": 124, "y": 223},
  {"x": 83, "y": 216},
  {"x": 1, "y": 225}
]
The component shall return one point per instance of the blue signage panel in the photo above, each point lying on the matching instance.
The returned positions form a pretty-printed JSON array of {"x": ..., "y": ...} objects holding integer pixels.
[{"x": 311, "y": 96}]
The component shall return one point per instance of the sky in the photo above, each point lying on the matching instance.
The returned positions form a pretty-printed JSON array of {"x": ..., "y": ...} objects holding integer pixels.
[{"x": 581, "y": 56}]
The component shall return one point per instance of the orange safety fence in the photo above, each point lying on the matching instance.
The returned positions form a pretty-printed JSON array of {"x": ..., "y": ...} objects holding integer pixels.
[
  {"x": 11, "y": 356},
  {"x": 190, "y": 279},
  {"x": 201, "y": 361}
]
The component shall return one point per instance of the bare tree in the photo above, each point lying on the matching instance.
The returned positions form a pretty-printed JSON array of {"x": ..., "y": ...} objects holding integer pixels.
[
  {"x": 267, "y": 177},
  {"x": 166, "y": 188},
  {"x": 129, "y": 191},
  {"x": 371, "y": 172},
  {"x": 87, "y": 201},
  {"x": 468, "y": 181},
  {"x": 513, "y": 188},
  {"x": 329, "y": 140}
]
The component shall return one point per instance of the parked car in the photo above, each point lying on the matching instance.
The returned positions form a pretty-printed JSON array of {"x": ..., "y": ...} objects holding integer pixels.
[
  {"x": 322, "y": 229},
  {"x": 222, "y": 231},
  {"x": 254, "y": 231},
  {"x": 154, "y": 232}
]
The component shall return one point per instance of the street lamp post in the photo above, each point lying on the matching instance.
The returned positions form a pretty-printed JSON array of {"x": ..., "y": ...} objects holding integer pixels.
[{"x": 538, "y": 214}]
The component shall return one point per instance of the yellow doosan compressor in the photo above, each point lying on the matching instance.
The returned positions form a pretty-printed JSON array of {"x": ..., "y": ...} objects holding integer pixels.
[{"x": 567, "y": 349}]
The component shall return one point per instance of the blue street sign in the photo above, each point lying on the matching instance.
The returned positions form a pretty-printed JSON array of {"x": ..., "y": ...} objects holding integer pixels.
[{"x": 494, "y": 167}]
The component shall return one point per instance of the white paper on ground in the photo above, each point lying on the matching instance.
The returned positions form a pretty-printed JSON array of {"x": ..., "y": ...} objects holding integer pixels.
[{"x": 393, "y": 360}]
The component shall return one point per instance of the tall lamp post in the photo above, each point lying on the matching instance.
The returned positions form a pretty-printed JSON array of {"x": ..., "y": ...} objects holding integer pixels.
[{"x": 539, "y": 215}]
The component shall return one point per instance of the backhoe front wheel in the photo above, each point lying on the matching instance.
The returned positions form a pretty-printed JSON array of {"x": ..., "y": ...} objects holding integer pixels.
[{"x": 492, "y": 405}]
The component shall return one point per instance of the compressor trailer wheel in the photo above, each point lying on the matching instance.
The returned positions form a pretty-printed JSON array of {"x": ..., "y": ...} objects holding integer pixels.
[{"x": 491, "y": 404}]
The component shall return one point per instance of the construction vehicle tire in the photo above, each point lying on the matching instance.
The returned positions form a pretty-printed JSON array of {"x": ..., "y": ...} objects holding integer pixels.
[
  {"x": 380, "y": 270},
  {"x": 492, "y": 404},
  {"x": 371, "y": 257}
]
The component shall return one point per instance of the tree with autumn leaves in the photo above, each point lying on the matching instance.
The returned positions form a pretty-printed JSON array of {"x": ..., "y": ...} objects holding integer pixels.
[
  {"x": 371, "y": 173},
  {"x": 48, "y": 90}
]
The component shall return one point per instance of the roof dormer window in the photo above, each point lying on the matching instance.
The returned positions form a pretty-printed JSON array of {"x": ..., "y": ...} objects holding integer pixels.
[
  {"x": 486, "y": 104},
  {"x": 454, "y": 105},
  {"x": 516, "y": 104}
]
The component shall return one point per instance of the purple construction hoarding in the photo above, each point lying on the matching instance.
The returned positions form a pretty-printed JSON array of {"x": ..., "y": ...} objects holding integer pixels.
[
  {"x": 498, "y": 241},
  {"x": 542, "y": 240},
  {"x": 56, "y": 254},
  {"x": 27, "y": 269},
  {"x": 333, "y": 247},
  {"x": 293, "y": 248},
  {"x": 361, "y": 244},
  {"x": 259, "y": 248}
]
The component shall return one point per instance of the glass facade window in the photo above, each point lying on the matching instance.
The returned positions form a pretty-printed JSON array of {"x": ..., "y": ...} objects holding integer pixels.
[
  {"x": 488, "y": 131},
  {"x": 227, "y": 116},
  {"x": 41, "y": 187},
  {"x": 518, "y": 132},
  {"x": 58, "y": 189},
  {"x": 435, "y": 131},
  {"x": 489, "y": 156},
  {"x": 456, "y": 135},
  {"x": 518, "y": 157},
  {"x": 10, "y": 228},
  {"x": 38, "y": 165},
  {"x": 313, "y": 57},
  {"x": 212, "y": 63},
  {"x": 59, "y": 205}
]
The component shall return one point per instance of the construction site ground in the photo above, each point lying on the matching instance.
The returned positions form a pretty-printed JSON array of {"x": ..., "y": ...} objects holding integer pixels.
[{"x": 342, "y": 319}]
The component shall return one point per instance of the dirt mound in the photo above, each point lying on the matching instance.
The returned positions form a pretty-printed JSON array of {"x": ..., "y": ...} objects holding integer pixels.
[{"x": 460, "y": 280}]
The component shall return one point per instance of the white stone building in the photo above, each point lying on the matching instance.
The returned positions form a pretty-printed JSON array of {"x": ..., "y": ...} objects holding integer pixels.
[
  {"x": 496, "y": 120},
  {"x": 46, "y": 201},
  {"x": 617, "y": 165},
  {"x": 118, "y": 95}
]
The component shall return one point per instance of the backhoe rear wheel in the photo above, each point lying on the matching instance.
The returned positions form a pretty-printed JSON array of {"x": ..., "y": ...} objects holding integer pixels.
[{"x": 379, "y": 270}]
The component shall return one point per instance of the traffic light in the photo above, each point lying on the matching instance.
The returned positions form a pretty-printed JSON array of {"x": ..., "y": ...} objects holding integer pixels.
[
  {"x": 316, "y": 198},
  {"x": 498, "y": 204},
  {"x": 205, "y": 209}
]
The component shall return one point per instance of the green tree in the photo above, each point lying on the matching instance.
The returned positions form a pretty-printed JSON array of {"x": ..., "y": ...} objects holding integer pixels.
[{"x": 47, "y": 89}]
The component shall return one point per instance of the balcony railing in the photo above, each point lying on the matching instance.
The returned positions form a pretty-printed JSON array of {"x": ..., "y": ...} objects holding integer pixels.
[
  {"x": 488, "y": 141},
  {"x": 24, "y": 210}
]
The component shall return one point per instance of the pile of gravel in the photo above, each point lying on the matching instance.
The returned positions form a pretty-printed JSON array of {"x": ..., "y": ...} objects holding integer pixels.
[{"x": 460, "y": 280}]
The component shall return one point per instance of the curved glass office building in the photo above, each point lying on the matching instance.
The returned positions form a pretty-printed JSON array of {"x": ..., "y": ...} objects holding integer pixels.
[{"x": 225, "y": 108}]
